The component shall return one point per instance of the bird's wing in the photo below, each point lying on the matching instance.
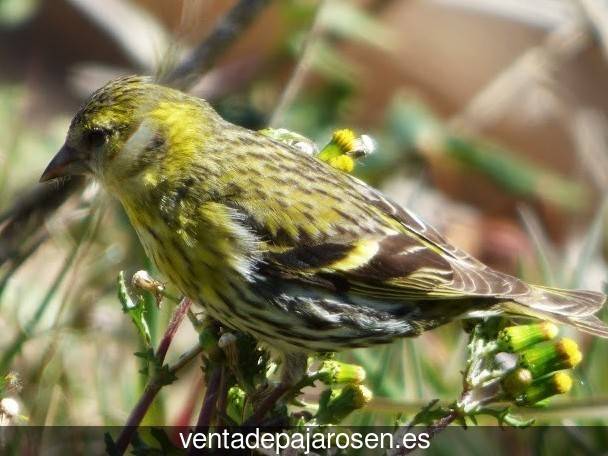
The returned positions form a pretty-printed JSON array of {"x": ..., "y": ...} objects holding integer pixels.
[
  {"x": 414, "y": 263},
  {"x": 321, "y": 225},
  {"x": 400, "y": 266}
]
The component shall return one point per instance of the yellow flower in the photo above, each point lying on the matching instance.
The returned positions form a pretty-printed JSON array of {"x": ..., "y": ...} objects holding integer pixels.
[
  {"x": 551, "y": 356},
  {"x": 515, "y": 338},
  {"x": 558, "y": 383}
]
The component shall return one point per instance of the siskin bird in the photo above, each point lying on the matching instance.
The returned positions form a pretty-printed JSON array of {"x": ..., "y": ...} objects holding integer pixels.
[{"x": 277, "y": 243}]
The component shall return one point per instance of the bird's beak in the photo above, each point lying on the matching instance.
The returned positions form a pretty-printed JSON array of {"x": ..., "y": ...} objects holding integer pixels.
[{"x": 67, "y": 162}]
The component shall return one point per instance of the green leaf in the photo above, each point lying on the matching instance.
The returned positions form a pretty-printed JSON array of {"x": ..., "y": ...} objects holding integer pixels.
[{"x": 136, "y": 311}]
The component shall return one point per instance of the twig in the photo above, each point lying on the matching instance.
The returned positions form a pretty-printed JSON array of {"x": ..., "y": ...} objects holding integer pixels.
[
  {"x": 559, "y": 46},
  {"x": 224, "y": 34},
  {"x": 442, "y": 423},
  {"x": 137, "y": 414},
  {"x": 596, "y": 13},
  {"x": 540, "y": 240},
  {"x": 119, "y": 18},
  {"x": 25, "y": 219},
  {"x": 423, "y": 411},
  {"x": 431, "y": 430},
  {"x": 211, "y": 396},
  {"x": 301, "y": 70},
  {"x": 156, "y": 382},
  {"x": 267, "y": 404},
  {"x": 176, "y": 320},
  {"x": 222, "y": 396},
  {"x": 185, "y": 358}
]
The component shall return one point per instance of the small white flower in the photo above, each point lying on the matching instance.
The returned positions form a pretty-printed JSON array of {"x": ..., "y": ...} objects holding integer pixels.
[
  {"x": 9, "y": 409},
  {"x": 364, "y": 145}
]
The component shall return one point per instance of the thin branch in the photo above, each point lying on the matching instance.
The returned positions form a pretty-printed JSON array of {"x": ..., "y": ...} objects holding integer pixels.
[
  {"x": 432, "y": 430},
  {"x": 211, "y": 396},
  {"x": 222, "y": 396},
  {"x": 155, "y": 383},
  {"x": 137, "y": 414},
  {"x": 186, "y": 358},
  {"x": 267, "y": 404},
  {"x": 119, "y": 18},
  {"x": 25, "y": 219},
  {"x": 225, "y": 33},
  {"x": 596, "y": 12},
  {"x": 559, "y": 46},
  {"x": 176, "y": 320}
]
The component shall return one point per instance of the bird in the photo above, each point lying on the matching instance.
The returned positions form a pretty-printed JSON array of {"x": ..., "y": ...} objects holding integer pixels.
[{"x": 276, "y": 243}]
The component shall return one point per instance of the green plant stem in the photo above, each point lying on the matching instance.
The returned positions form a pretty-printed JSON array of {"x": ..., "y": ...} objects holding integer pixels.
[{"x": 433, "y": 429}]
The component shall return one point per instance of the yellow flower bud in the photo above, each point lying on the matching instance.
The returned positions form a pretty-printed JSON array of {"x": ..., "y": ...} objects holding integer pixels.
[
  {"x": 515, "y": 338},
  {"x": 558, "y": 383},
  {"x": 332, "y": 372},
  {"x": 550, "y": 356},
  {"x": 570, "y": 352},
  {"x": 344, "y": 149},
  {"x": 343, "y": 163},
  {"x": 335, "y": 405},
  {"x": 344, "y": 139}
]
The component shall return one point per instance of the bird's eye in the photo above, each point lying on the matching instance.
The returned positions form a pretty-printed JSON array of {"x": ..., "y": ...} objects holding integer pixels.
[{"x": 95, "y": 138}]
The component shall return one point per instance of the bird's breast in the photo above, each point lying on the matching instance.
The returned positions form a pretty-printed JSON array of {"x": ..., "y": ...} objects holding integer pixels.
[{"x": 200, "y": 249}]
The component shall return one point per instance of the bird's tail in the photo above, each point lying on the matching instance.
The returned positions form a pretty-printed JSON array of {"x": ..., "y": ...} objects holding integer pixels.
[{"x": 573, "y": 307}]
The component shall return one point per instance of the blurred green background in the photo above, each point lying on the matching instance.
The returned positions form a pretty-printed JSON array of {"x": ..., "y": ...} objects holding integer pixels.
[{"x": 490, "y": 118}]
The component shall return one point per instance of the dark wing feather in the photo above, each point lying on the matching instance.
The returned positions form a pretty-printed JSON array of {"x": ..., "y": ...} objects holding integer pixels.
[
  {"x": 401, "y": 266},
  {"x": 421, "y": 274},
  {"x": 334, "y": 231}
]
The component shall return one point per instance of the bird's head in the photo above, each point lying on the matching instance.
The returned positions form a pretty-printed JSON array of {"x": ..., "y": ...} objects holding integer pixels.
[{"x": 122, "y": 130}]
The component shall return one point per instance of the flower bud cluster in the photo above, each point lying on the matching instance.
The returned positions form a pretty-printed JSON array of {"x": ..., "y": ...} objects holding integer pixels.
[
  {"x": 541, "y": 362},
  {"x": 344, "y": 149}
]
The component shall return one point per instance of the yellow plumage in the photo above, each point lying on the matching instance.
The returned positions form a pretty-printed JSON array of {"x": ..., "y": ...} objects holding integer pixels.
[{"x": 277, "y": 242}]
